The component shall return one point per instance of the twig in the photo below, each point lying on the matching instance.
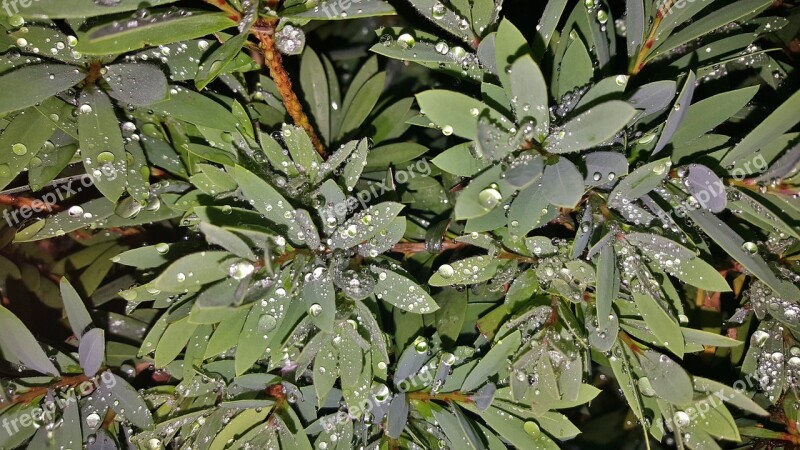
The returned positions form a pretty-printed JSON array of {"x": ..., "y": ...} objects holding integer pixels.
[
  {"x": 651, "y": 39},
  {"x": 272, "y": 59},
  {"x": 38, "y": 391},
  {"x": 223, "y": 5}
]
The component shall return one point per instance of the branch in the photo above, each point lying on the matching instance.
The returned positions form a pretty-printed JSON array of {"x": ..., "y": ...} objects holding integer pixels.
[
  {"x": 223, "y": 5},
  {"x": 38, "y": 391},
  {"x": 273, "y": 60},
  {"x": 651, "y": 39}
]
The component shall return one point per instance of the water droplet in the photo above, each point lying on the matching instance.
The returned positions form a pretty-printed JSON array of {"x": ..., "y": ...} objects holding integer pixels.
[
  {"x": 446, "y": 271},
  {"x": 241, "y": 270},
  {"x": 682, "y": 419},
  {"x": 93, "y": 420},
  {"x": 106, "y": 158},
  {"x": 16, "y": 21},
  {"x": 315, "y": 310},
  {"x": 447, "y": 130},
  {"x": 406, "y": 41},
  {"x": 489, "y": 198},
  {"x": 532, "y": 428},
  {"x": 19, "y": 149},
  {"x": 438, "y": 11},
  {"x": 750, "y": 247},
  {"x": 75, "y": 211}
]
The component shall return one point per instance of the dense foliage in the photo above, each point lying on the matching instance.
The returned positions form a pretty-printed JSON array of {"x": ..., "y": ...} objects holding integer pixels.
[{"x": 413, "y": 224}]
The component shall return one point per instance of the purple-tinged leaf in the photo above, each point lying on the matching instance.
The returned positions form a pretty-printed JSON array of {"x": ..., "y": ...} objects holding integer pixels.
[
  {"x": 604, "y": 167},
  {"x": 678, "y": 113},
  {"x": 706, "y": 187},
  {"x": 92, "y": 351}
]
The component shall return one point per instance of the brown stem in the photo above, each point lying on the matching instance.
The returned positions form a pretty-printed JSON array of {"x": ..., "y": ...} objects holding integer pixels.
[
  {"x": 272, "y": 59},
  {"x": 23, "y": 202},
  {"x": 752, "y": 185},
  {"x": 651, "y": 39},
  {"x": 419, "y": 247},
  {"x": 223, "y": 5},
  {"x": 625, "y": 337},
  {"x": 38, "y": 391},
  {"x": 446, "y": 397}
]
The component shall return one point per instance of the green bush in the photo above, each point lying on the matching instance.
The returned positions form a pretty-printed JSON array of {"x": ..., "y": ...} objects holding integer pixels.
[{"x": 448, "y": 225}]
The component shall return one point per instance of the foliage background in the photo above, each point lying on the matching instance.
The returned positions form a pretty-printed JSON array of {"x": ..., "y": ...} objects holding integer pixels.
[{"x": 588, "y": 246}]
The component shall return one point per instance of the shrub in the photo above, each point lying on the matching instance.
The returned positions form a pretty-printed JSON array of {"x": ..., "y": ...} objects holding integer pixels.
[{"x": 573, "y": 223}]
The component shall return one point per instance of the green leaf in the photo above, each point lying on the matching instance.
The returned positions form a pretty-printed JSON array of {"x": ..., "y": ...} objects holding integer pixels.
[
  {"x": 173, "y": 341},
  {"x": 239, "y": 426},
  {"x": 520, "y": 433},
  {"x": 193, "y": 271},
  {"x": 607, "y": 285},
  {"x": 660, "y": 323},
  {"x": 639, "y": 182},
  {"x": 707, "y": 114},
  {"x": 453, "y": 110},
  {"x": 591, "y": 128},
  {"x": 734, "y": 12},
  {"x": 562, "y": 184},
  {"x": 403, "y": 293},
  {"x": 734, "y": 245},
  {"x": 130, "y": 405},
  {"x": 79, "y": 9},
  {"x": 529, "y": 88},
  {"x": 226, "y": 335},
  {"x": 227, "y": 240},
  {"x": 393, "y": 155},
  {"x": 668, "y": 379},
  {"x": 362, "y": 104},
  {"x": 196, "y": 109},
  {"x": 679, "y": 261},
  {"x": 459, "y": 160},
  {"x": 158, "y": 28},
  {"x": 319, "y": 296},
  {"x": 731, "y": 395},
  {"x": 314, "y": 83},
  {"x": 326, "y": 370},
  {"x": 366, "y": 224},
  {"x": 510, "y": 45},
  {"x": 780, "y": 121},
  {"x": 136, "y": 83},
  {"x": 20, "y": 142},
  {"x": 475, "y": 269},
  {"x": 577, "y": 69},
  {"x": 32, "y": 84},
  {"x": 492, "y": 361},
  {"x": 102, "y": 148},
  {"x": 333, "y": 10},
  {"x": 678, "y": 113},
  {"x": 266, "y": 200},
  {"x": 79, "y": 318},
  {"x": 18, "y": 344},
  {"x": 214, "y": 65}
]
